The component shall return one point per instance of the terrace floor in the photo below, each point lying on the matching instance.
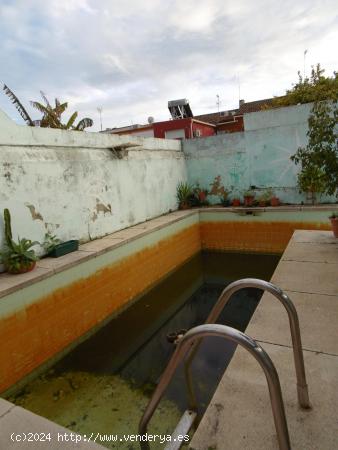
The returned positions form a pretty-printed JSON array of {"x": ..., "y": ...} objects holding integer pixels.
[{"x": 240, "y": 416}]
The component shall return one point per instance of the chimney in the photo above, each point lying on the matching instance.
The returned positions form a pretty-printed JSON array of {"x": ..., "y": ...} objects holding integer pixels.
[{"x": 241, "y": 102}]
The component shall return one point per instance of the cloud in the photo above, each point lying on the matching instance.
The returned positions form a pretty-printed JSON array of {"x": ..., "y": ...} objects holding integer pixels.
[{"x": 131, "y": 57}]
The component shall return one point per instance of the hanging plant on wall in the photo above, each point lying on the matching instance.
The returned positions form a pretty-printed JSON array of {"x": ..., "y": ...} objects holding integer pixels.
[{"x": 219, "y": 190}]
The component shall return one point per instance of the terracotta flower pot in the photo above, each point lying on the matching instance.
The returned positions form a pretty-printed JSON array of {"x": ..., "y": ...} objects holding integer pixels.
[
  {"x": 274, "y": 201},
  {"x": 236, "y": 202},
  {"x": 202, "y": 196},
  {"x": 262, "y": 203},
  {"x": 334, "y": 223},
  {"x": 23, "y": 269},
  {"x": 184, "y": 205},
  {"x": 248, "y": 200}
]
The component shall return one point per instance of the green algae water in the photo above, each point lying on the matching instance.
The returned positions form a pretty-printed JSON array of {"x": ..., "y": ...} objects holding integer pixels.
[{"x": 105, "y": 383}]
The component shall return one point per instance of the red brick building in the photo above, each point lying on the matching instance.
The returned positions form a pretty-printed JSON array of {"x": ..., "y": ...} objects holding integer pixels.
[
  {"x": 232, "y": 121},
  {"x": 187, "y": 128}
]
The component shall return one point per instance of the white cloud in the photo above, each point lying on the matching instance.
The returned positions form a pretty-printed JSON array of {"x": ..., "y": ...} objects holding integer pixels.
[{"x": 131, "y": 57}]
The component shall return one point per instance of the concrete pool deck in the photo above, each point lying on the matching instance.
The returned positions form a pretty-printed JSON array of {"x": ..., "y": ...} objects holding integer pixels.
[
  {"x": 23, "y": 430},
  {"x": 239, "y": 416}
]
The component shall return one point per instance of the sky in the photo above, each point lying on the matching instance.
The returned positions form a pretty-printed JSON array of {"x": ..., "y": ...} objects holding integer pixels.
[{"x": 130, "y": 57}]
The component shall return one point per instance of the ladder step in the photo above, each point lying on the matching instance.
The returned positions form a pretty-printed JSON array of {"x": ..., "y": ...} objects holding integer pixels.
[{"x": 181, "y": 430}]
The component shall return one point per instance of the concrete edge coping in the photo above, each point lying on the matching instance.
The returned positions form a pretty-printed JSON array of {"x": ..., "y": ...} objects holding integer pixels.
[
  {"x": 46, "y": 267},
  {"x": 241, "y": 209}
]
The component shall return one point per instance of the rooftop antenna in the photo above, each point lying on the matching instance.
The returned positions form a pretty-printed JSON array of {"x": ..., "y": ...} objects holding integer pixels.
[
  {"x": 217, "y": 102},
  {"x": 239, "y": 88},
  {"x": 305, "y": 52},
  {"x": 99, "y": 109}
]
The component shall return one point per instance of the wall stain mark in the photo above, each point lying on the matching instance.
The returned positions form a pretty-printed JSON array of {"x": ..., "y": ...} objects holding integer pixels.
[
  {"x": 35, "y": 215},
  {"x": 101, "y": 207}
]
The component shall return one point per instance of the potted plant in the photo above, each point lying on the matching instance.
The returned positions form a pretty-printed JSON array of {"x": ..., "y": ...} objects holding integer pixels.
[
  {"x": 18, "y": 257},
  {"x": 334, "y": 222},
  {"x": 265, "y": 198},
  {"x": 55, "y": 248},
  {"x": 249, "y": 196},
  {"x": 224, "y": 199},
  {"x": 201, "y": 195},
  {"x": 274, "y": 201},
  {"x": 184, "y": 192},
  {"x": 236, "y": 201}
]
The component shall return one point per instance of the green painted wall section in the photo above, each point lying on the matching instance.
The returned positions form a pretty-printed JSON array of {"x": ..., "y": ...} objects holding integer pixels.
[{"x": 259, "y": 156}]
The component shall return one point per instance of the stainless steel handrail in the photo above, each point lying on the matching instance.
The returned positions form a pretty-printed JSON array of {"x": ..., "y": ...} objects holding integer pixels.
[
  {"x": 183, "y": 347},
  {"x": 302, "y": 388}
]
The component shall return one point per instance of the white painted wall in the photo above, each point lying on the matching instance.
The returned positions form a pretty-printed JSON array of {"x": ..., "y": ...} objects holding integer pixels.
[
  {"x": 71, "y": 183},
  {"x": 145, "y": 133},
  {"x": 175, "y": 134}
]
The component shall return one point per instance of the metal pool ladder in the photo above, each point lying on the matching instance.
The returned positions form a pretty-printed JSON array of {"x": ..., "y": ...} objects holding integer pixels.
[{"x": 189, "y": 343}]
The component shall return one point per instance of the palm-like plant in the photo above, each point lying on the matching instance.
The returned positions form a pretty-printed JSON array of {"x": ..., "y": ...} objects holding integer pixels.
[
  {"x": 19, "y": 106},
  {"x": 51, "y": 116}
]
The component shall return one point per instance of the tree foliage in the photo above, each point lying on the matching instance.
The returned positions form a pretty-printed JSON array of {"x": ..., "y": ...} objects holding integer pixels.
[
  {"x": 319, "y": 159},
  {"x": 51, "y": 115},
  {"x": 314, "y": 89},
  {"x": 18, "y": 106}
]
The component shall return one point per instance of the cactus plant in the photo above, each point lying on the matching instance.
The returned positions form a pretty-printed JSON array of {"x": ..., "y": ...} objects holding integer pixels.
[
  {"x": 18, "y": 257},
  {"x": 8, "y": 227}
]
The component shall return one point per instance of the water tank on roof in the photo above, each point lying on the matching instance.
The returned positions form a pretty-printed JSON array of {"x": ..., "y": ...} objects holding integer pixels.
[{"x": 180, "y": 109}]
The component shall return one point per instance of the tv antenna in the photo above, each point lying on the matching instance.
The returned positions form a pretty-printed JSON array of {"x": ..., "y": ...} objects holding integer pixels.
[
  {"x": 305, "y": 52},
  {"x": 99, "y": 109}
]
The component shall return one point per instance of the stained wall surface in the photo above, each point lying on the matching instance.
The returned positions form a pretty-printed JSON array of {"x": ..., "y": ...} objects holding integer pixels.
[
  {"x": 79, "y": 185},
  {"x": 258, "y": 156}
]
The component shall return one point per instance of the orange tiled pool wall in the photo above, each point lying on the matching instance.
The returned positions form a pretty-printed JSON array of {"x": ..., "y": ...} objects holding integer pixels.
[
  {"x": 263, "y": 231},
  {"x": 41, "y": 321},
  {"x": 269, "y": 237},
  {"x": 42, "y": 329}
]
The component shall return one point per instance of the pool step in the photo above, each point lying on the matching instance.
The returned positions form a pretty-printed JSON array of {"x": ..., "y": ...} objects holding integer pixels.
[{"x": 182, "y": 429}]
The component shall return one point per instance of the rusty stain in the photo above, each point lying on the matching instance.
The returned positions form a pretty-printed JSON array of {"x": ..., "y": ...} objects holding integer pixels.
[
  {"x": 101, "y": 207},
  {"x": 35, "y": 215}
]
